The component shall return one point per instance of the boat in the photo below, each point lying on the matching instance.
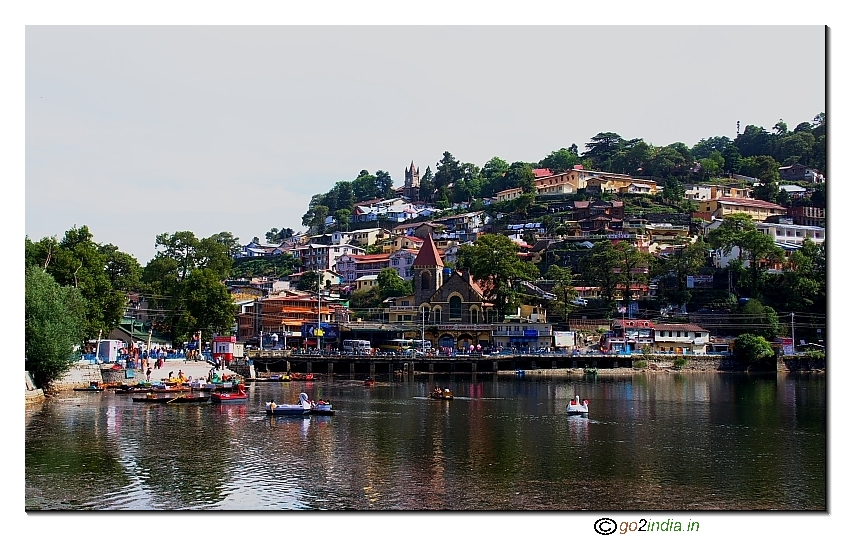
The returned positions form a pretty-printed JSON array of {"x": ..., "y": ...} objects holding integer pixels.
[
  {"x": 322, "y": 407},
  {"x": 94, "y": 386},
  {"x": 230, "y": 397},
  {"x": 590, "y": 371},
  {"x": 369, "y": 382},
  {"x": 154, "y": 397},
  {"x": 298, "y": 409},
  {"x": 282, "y": 377},
  {"x": 577, "y": 406},
  {"x": 301, "y": 376},
  {"x": 442, "y": 393}
]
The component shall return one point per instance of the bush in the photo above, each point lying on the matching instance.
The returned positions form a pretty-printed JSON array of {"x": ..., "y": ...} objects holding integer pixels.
[
  {"x": 639, "y": 364},
  {"x": 752, "y": 348},
  {"x": 679, "y": 363}
]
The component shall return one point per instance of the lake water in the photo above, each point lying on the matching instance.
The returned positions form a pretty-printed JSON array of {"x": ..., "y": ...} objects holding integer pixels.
[{"x": 690, "y": 441}]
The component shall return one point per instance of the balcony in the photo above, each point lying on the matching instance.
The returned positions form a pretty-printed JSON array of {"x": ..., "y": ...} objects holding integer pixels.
[{"x": 404, "y": 309}]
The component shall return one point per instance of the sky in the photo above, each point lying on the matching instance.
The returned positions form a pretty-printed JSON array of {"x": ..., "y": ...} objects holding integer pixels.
[
  {"x": 141, "y": 130},
  {"x": 139, "y": 126}
]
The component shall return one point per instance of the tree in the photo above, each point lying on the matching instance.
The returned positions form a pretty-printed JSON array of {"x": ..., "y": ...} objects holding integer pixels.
[
  {"x": 674, "y": 269},
  {"x": 271, "y": 236},
  {"x": 54, "y": 320},
  {"x": 342, "y": 218},
  {"x": 520, "y": 175},
  {"x": 762, "y": 320},
  {"x": 122, "y": 269},
  {"x": 601, "y": 149},
  {"x": 175, "y": 285},
  {"x": 78, "y": 261},
  {"x": 752, "y": 348},
  {"x": 560, "y": 160},
  {"x": 562, "y": 288},
  {"x": 493, "y": 260},
  {"x": 600, "y": 268},
  {"x": 392, "y": 285},
  {"x": 633, "y": 268},
  {"x": 426, "y": 185},
  {"x": 309, "y": 281},
  {"x": 384, "y": 184},
  {"x": 231, "y": 242},
  {"x": 209, "y": 305}
]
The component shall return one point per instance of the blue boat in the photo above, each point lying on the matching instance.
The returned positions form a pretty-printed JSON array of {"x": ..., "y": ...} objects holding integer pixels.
[{"x": 297, "y": 409}]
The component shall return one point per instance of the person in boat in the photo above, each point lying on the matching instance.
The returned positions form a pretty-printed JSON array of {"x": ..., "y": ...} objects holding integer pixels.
[
  {"x": 148, "y": 374},
  {"x": 272, "y": 405},
  {"x": 171, "y": 374},
  {"x": 180, "y": 376}
]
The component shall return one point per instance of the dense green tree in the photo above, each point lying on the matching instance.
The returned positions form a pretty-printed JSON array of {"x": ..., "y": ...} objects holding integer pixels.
[
  {"x": 392, "y": 285},
  {"x": 276, "y": 266},
  {"x": 78, "y": 261},
  {"x": 54, "y": 322},
  {"x": 493, "y": 261},
  {"x": 520, "y": 175},
  {"x": 448, "y": 172},
  {"x": 601, "y": 149},
  {"x": 426, "y": 185},
  {"x": 363, "y": 300},
  {"x": 705, "y": 147},
  {"x": 633, "y": 268},
  {"x": 309, "y": 281},
  {"x": 122, "y": 269},
  {"x": 492, "y": 176},
  {"x": 384, "y": 184},
  {"x": 761, "y": 320},
  {"x": 342, "y": 218},
  {"x": 175, "y": 287},
  {"x": 600, "y": 267},
  {"x": 752, "y": 348},
  {"x": 562, "y": 288},
  {"x": 754, "y": 141},
  {"x": 209, "y": 305},
  {"x": 560, "y": 160},
  {"x": 673, "y": 271},
  {"x": 231, "y": 242}
]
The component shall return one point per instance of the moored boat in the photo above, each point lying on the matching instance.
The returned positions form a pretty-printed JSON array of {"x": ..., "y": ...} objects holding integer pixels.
[
  {"x": 297, "y": 409},
  {"x": 578, "y": 406},
  {"x": 229, "y": 397},
  {"x": 94, "y": 386},
  {"x": 155, "y": 397},
  {"x": 369, "y": 382}
]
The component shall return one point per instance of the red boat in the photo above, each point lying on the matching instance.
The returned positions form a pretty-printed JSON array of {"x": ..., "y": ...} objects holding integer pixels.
[
  {"x": 369, "y": 382},
  {"x": 229, "y": 397},
  {"x": 301, "y": 376}
]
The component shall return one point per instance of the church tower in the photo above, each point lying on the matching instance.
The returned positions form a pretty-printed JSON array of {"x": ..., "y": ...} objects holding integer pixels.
[
  {"x": 411, "y": 182},
  {"x": 427, "y": 271}
]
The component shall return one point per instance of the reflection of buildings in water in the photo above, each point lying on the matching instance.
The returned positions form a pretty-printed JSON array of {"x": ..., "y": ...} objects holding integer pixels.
[{"x": 305, "y": 426}]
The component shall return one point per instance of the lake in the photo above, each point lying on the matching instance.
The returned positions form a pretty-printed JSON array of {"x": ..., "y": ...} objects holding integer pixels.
[{"x": 651, "y": 441}]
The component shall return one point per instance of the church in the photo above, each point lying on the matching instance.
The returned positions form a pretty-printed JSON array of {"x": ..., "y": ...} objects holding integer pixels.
[{"x": 448, "y": 302}]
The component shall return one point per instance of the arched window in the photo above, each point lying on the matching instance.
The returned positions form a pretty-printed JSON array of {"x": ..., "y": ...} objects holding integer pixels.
[
  {"x": 473, "y": 315},
  {"x": 425, "y": 281},
  {"x": 438, "y": 315},
  {"x": 454, "y": 308}
]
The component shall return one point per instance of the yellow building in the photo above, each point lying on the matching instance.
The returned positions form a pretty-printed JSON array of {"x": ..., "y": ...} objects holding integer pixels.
[{"x": 758, "y": 210}]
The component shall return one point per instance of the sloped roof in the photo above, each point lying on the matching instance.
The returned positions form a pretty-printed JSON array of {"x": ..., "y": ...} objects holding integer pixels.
[{"x": 428, "y": 255}]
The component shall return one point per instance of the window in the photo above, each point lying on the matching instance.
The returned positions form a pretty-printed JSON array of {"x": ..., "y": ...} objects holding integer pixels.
[
  {"x": 425, "y": 281},
  {"x": 473, "y": 315},
  {"x": 454, "y": 308},
  {"x": 438, "y": 315}
]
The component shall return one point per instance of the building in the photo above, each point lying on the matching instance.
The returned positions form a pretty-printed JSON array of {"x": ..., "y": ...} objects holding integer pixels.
[
  {"x": 808, "y": 216},
  {"x": 758, "y": 210},
  {"x": 628, "y": 336},
  {"x": 352, "y": 267},
  {"x": 315, "y": 257},
  {"x": 411, "y": 182},
  {"x": 800, "y": 173},
  {"x": 449, "y": 304},
  {"x": 681, "y": 338}
]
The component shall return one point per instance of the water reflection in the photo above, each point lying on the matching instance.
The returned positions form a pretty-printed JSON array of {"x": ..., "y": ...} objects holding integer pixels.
[{"x": 651, "y": 441}]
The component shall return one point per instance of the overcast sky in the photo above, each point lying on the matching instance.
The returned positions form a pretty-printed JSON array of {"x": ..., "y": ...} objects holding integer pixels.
[{"x": 141, "y": 130}]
